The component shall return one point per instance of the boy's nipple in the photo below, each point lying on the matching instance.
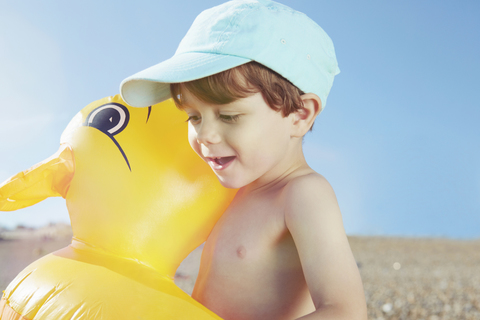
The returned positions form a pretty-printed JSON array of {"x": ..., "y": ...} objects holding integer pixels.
[{"x": 241, "y": 252}]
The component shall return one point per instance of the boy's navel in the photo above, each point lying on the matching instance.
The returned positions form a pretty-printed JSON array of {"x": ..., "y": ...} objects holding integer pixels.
[{"x": 241, "y": 252}]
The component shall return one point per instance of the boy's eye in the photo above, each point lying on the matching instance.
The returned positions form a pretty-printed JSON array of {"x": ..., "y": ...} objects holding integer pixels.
[
  {"x": 193, "y": 119},
  {"x": 229, "y": 118}
]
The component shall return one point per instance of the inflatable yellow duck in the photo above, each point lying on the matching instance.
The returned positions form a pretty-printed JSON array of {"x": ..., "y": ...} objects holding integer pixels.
[{"x": 140, "y": 200}]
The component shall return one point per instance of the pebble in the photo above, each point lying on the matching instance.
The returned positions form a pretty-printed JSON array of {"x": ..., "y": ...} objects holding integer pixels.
[{"x": 387, "y": 307}]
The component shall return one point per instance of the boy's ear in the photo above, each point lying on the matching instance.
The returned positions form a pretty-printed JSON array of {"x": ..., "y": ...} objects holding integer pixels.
[{"x": 303, "y": 118}]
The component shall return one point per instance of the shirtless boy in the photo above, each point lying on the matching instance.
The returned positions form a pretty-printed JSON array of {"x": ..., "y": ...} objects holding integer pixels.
[{"x": 252, "y": 76}]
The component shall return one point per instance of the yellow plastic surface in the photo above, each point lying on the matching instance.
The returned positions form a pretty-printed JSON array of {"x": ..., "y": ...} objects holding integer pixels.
[
  {"x": 140, "y": 200},
  {"x": 49, "y": 178}
]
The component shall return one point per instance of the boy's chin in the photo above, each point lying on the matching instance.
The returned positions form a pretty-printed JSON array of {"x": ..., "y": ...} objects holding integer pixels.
[{"x": 229, "y": 184}]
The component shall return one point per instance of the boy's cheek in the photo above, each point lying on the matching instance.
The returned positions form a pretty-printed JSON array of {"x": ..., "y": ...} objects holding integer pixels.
[
  {"x": 192, "y": 137},
  {"x": 192, "y": 140},
  {"x": 195, "y": 145}
]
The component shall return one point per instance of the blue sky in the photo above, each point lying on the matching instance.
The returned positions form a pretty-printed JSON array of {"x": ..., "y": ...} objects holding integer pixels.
[{"x": 399, "y": 139}]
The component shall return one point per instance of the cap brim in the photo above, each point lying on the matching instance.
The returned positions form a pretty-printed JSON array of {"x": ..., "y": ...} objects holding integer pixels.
[{"x": 152, "y": 85}]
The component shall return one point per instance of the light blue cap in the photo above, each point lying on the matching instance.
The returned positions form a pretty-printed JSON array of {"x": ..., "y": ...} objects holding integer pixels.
[{"x": 237, "y": 32}]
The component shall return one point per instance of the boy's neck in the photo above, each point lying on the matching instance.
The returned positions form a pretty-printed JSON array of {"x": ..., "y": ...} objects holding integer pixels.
[{"x": 289, "y": 168}]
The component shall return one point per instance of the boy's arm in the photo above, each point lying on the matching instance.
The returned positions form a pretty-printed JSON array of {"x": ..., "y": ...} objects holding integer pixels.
[{"x": 314, "y": 220}]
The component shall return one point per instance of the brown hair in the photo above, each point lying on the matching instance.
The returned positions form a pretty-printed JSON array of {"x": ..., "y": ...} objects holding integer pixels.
[{"x": 241, "y": 82}]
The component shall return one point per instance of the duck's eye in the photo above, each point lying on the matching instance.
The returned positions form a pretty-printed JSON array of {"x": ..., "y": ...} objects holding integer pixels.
[{"x": 110, "y": 118}]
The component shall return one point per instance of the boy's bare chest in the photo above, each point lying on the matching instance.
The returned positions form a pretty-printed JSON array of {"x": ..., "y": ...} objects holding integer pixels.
[
  {"x": 249, "y": 255},
  {"x": 250, "y": 235},
  {"x": 248, "y": 260}
]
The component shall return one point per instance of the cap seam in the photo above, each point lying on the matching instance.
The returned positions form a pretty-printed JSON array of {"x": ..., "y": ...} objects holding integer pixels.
[{"x": 234, "y": 27}]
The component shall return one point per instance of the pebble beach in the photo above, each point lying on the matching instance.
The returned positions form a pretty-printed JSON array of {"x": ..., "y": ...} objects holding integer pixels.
[
  {"x": 403, "y": 278},
  {"x": 409, "y": 278}
]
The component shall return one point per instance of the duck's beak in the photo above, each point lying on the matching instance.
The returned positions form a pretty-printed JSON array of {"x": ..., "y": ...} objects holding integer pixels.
[{"x": 49, "y": 178}]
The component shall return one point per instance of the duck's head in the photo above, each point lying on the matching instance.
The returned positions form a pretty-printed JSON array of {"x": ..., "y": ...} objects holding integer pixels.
[{"x": 133, "y": 186}]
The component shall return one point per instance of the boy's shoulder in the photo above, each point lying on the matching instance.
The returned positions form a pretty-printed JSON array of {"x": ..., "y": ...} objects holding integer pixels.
[
  {"x": 308, "y": 185},
  {"x": 309, "y": 194}
]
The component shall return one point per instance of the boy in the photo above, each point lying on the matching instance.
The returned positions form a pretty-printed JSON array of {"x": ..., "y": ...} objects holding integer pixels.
[{"x": 252, "y": 77}]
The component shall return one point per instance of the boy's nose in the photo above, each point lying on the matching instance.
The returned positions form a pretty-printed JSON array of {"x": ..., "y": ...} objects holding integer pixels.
[{"x": 207, "y": 134}]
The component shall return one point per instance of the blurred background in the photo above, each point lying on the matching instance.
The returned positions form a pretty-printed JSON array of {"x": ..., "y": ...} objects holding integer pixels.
[{"x": 399, "y": 139}]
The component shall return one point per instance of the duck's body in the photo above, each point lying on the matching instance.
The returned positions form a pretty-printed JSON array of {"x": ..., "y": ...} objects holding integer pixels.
[
  {"x": 77, "y": 284},
  {"x": 139, "y": 201}
]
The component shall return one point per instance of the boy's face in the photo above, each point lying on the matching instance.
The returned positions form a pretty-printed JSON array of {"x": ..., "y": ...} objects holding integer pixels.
[{"x": 243, "y": 141}]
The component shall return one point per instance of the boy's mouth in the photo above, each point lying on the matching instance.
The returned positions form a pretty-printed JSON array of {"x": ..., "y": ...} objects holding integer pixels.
[{"x": 219, "y": 163}]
